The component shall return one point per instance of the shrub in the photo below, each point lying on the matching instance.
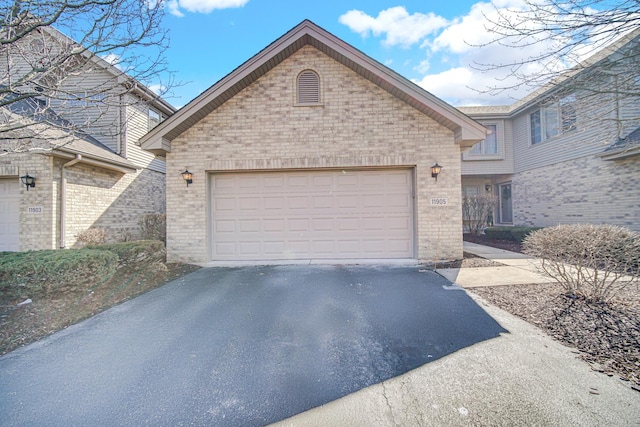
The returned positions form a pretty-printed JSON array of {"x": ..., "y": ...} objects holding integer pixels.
[
  {"x": 499, "y": 233},
  {"x": 92, "y": 236},
  {"x": 39, "y": 272},
  {"x": 476, "y": 211},
  {"x": 520, "y": 233},
  {"x": 130, "y": 253},
  {"x": 125, "y": 235},
  {"x": 153, "y": 227},
  {"x": 590, "y": 261}
]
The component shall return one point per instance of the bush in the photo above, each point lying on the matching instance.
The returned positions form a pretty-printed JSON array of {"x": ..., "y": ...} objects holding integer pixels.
[
  {"x": 590, "y": 261},
  {"x": 499, "y": 233},
  {"x": 92, "y": 236},
  {"x": 153, "y": 227},
  {"x": 40, "y": 272},
  {"x": 476, "y": 211},
  {"x": 136, "y": 252},
  {"x": 520, "y": 233}
]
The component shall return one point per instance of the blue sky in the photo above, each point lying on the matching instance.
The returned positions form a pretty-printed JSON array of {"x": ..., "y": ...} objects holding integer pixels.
[{"x": 425, "y": 41}]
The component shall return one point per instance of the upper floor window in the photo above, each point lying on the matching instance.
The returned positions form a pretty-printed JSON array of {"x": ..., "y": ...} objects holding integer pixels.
[
  {"x": 308, "y": 88},
  {"x": 154, "y": 118},
  {"x": 553, "y": 119},
  {"x": 489, "y": 145}
]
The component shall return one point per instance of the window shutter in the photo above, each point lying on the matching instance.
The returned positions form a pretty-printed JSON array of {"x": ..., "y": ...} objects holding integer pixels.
[{"x": 308, "y": 88}]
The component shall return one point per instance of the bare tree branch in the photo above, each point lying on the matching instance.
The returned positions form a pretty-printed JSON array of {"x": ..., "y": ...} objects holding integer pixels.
[{"x": 51, "y": 52}]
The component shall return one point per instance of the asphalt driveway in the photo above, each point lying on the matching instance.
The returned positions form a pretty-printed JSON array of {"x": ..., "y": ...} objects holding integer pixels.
[{"x": 240, "y": 346}]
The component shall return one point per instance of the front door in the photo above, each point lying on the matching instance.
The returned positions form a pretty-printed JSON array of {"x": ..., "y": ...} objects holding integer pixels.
[{"x": 506, "y": 209}]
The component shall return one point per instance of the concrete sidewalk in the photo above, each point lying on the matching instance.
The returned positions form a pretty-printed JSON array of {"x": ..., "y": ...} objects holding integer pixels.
[{"x": 518, "y": 269}]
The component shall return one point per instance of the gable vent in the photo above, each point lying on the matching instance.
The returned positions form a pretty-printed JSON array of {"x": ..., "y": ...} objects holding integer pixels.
[{"x": 308, "y": 88}]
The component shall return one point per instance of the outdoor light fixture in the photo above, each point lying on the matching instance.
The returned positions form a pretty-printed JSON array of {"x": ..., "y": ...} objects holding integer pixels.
[
  {"x": 187, "y": 176},
  {"x": 435, "y": 170},
  {"x": 28, "y": 181}
]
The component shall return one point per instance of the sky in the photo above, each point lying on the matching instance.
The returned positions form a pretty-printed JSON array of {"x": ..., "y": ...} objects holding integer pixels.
[{"x": 431, "y": 42}]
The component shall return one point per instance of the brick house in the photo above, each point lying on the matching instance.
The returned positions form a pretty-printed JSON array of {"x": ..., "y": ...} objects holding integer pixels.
[
  {"x": 94, "y": 177},
  {"x": 569, "y": 152},
  {"x": 311, "y": 150}
]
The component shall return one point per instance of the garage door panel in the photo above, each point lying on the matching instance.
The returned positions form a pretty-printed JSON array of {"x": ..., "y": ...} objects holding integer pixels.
[
  {"x": 9, "y": 215},
  {"x": 249, "y": 248},
  {"x": 225, "y": 226},
  {"x": 317, "y": 214},
  {"x": 322, "y": 224},
  {"x": 298, "y": 202},
  {"x": 399, "y": 225},
  {"x": 274, "y": 225},
  {"x": 224, "y": 204},
  {"x": 298, "y": 224},
  {"x": 248, "y": 226}
]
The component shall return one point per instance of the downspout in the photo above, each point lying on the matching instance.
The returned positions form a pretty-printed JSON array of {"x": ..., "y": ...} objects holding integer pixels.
[{"x": 63, "y": 198}]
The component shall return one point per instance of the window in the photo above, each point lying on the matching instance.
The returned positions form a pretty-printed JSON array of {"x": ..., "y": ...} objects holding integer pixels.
[
  {"x": 308, "y": 88},
  {"x": 154, "y": 118},
  {"x": 553, "y": 119},
  {"x": 489, "y": 145}
]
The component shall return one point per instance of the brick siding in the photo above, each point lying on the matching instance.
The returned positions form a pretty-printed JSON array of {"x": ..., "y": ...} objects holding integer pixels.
[
  {"x": 357, "y": 125},
  {"x": 584, "y": 190}
]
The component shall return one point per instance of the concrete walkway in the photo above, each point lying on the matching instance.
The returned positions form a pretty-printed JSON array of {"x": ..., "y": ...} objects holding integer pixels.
[{"x": 518, "y": 269}]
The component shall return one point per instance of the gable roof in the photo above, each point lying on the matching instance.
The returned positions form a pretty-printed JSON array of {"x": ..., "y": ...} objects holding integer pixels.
[
  {"x": 466, "y": 130},
  {"x": 68, "y": 143},
  {"x": 623, "y": 147}
]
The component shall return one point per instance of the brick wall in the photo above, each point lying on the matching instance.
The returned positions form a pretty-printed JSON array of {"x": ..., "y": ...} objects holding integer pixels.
[
  {"x": 95, "y": 198},
  {"x": 107, "y": 199},
  {"x": 357, "y": 125},
  {"x": 37, "y": 224},
  {"x": 584, "y": 190}
]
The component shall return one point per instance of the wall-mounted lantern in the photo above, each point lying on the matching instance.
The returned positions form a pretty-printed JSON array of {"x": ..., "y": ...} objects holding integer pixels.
[
  {"x": 187, "y": 176},
  {"x": 28, "y": 181},
  {"x": 435, "y": 171}
]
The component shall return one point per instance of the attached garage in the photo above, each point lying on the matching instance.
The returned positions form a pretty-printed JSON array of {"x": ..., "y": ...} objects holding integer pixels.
[
  {"x": 311, "y": 150},
  {"x": 320, "y": 214},
  {"x": 9, "y": 214}
]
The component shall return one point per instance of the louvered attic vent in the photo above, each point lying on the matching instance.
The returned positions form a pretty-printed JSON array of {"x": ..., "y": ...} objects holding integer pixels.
[{"x": 308, "y": 88}]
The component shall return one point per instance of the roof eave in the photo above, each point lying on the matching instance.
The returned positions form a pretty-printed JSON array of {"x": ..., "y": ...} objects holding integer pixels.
[
  {"x": 122, "y": 167},
  {"x": 620, "y": 154}
]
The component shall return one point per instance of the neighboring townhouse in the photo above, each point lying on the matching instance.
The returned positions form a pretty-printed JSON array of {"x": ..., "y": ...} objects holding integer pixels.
[
  {"x": 85, "y": 176},
  {"x": 568, "y": 153},
  {"x": 311, "y": 150}
]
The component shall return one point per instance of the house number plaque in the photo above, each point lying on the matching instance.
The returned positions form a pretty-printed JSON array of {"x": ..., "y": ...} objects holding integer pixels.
[
  {"x": 34, "y": 210},
  {"x": 439, "y": 201}
]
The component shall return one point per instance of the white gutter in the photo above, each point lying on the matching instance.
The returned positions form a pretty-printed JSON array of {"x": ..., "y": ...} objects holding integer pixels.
[{"x": 63, "y": 198}]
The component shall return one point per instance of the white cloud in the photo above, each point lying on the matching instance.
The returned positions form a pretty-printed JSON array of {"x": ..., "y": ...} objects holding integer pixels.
[
  {"x": 174, "y": 8},
  {"x": 423, "y": 67},
  {"x": 396, "y": 23},
  {"x": 158, "y": 89},
  {"x": 462, "y": 86},
  {"x": 202, "y": 6},
  {"x": 466, "y": 61}
]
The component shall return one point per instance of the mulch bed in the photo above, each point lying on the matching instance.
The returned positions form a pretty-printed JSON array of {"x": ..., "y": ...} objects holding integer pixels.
[
  {"x": 606, "y": 334},
  {"x": 509, "y": 245}
]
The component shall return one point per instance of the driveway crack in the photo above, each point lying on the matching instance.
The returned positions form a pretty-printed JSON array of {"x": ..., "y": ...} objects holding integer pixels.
[{"x": 386, "y": 399}]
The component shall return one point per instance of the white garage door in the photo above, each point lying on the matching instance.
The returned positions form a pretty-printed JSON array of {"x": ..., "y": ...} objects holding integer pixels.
[
  {"x": 336, "y": 214},
  {"x": 9, "y": 218}
]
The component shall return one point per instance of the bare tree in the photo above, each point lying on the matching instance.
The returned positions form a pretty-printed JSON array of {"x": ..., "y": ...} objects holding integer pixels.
[
  {"x": 577, "y": 55},
  {"x": 51, "y": 52},
  {"x": 476, "y": 211},
  {"x": 557, "y": 36}
]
